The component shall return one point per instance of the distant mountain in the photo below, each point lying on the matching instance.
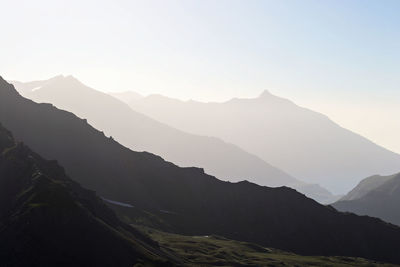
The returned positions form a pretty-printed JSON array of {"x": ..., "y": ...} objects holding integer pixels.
[
  {"x": 123, "y": 96},
  {"x": 366, "y": 186},
  {"x": 46, "y": 219},
  {"x": 377, "y": 196},
  {"x": 186, "y": 200},
  {"x": 142, "y": 133},
  {"x": 306, "y": 144}
]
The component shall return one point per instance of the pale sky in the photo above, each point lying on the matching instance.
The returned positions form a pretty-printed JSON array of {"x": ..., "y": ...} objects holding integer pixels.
[{"x": 340, "y": 57}]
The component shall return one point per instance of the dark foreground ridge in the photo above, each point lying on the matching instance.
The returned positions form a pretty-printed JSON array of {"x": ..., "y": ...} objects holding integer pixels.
[
  {"x": 188, "y": 201},
  {"x": 46, "y": 219}
]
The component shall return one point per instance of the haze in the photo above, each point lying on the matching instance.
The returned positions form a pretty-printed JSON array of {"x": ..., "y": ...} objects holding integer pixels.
[
  {"x": 199, "y": 133},
  {"x": 335, "y": 58}
]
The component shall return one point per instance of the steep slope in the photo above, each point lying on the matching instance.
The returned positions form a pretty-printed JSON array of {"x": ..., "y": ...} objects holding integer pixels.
[
  {"x": 141, "y": 133},
  {"x": 381, "y": 200},
  {"x": 306, "y": 144},
  {"x": 46, "y": 219},
  {"x": 188, "y": 201}
]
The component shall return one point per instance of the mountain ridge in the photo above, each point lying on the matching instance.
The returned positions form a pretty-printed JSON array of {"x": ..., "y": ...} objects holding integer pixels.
[
  {"x": 139, "y": 132},
  {"x": 304, "y": 143},
  {"x": 187, "y": 200}
]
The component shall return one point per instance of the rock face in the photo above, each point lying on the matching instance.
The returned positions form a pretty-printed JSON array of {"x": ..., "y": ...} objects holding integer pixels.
[
  {"x": 304, "y": 143},
  {"x": 186, "y": 200},
  {"x": 141, "y": 133},
  {"x": 46, "y": 219},
  {"x": 377, "y": 196}
]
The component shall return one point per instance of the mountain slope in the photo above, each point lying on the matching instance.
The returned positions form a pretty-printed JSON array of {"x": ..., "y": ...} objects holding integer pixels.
[
  {"x": 366, "y": 186},
  {"x": 187, "y": 200},
  {"x": 219, "y": 251},
  {"x": 123, "y": 96},
  {"x": 381, "y": 200},
  {"x": 306, "y": 144},
  {"x": 46, "y": 219},
  {"x": 141, "y": 133}
]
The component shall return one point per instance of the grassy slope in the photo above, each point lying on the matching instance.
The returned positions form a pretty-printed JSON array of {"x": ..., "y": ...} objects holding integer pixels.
[{"x": 219, "y": 251}]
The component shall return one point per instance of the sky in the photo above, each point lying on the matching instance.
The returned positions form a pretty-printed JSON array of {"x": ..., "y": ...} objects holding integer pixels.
[{"x": 341, "y": 58}]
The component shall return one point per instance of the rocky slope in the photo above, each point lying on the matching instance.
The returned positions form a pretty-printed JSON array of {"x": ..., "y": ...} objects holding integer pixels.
[{"x": 46, "y": 219}]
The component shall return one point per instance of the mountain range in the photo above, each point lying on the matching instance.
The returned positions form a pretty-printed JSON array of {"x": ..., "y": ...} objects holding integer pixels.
[
  {"x": 141, "y": 133},
  {"x": 377, "y": 196},
  {"x": 46, "y": 219},
  {"x": 304, "y": 143},
  {"x": 186, "y": 200}
]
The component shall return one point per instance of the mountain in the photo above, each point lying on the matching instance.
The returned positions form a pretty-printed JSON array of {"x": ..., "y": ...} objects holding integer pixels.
[
  {"x": 142, "y": 133},
  {"x": 123, "y": 96},
  {"x": 366, "y": 186},
  {"x": 377, "y": 196},
  {"x": 188, "y": 201},
  {"x": 304, "y": 143},
  {"x": 46, "y": 219}
]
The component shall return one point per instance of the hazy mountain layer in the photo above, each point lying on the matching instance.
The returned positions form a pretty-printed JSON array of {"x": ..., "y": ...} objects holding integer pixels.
[
  {"x": 306, "y": 144},
  {"x": 46, "y": 219},
  {"x": 141, "y": 133},
  {"x": 188, "y": 201},
  {"x": 375, "y": 196},
  {"x": 366, "y": 186}
]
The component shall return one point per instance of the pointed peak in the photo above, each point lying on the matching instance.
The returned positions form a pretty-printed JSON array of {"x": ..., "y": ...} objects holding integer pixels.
[
  {"x": 265, "y": 94},
  {"x": 62, "y": 77},
  {"x": 57, "y": 77}
]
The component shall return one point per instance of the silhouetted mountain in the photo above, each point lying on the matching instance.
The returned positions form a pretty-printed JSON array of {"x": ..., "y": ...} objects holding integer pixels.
[
  {"x": 46, "y": 219},
  {"x": 377, "y": 196},
  {"x": 141, "y": 133},
  {"x": 188, "y": 201},
  {"x": 306, "y": 144}
]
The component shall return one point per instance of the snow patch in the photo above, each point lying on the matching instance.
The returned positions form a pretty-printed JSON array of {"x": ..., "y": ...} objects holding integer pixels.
[{"x": 126, "y": 205}]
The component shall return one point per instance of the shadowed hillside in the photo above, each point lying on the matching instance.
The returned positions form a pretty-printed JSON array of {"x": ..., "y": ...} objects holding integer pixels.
[
  {"x": 187, "y": 200},
  {"x": 46, "y": 219}
]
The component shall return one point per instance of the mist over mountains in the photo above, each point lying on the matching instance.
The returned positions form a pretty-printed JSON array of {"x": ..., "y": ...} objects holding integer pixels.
[
  {"x": 304, "y": 143},
  {"x": 199, "y": 133},
  {"x": 186, "y": 200},
  {"x": 141, "y": 133}
]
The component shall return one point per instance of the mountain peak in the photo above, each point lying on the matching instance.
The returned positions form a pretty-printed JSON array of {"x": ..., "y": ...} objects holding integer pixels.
[
  {"x": 62, "y": 81},
  {"x": 265, "y": 94}
]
